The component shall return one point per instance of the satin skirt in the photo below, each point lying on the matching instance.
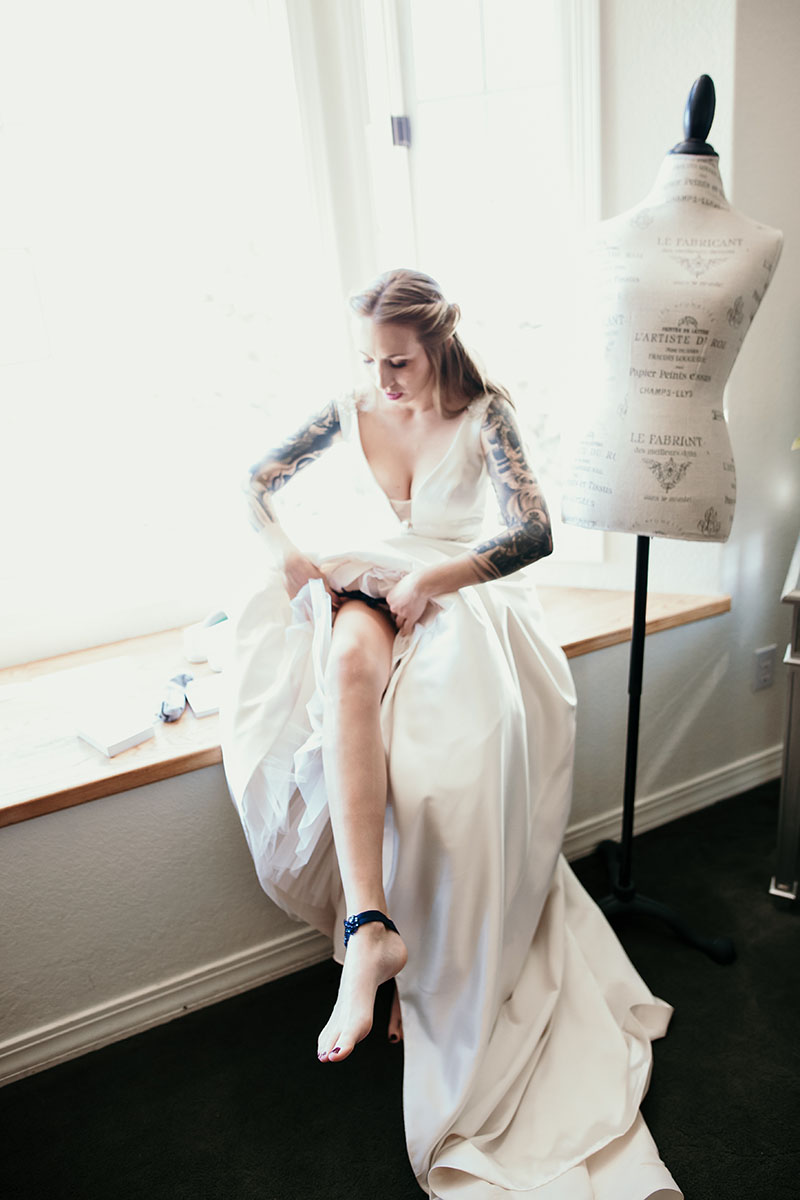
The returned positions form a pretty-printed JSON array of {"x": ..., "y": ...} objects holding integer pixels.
[{"x": 527, "y": 1031}]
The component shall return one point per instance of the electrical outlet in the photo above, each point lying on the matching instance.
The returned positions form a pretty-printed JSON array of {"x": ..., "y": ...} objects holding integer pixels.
[{"x": 764, "y": 671}]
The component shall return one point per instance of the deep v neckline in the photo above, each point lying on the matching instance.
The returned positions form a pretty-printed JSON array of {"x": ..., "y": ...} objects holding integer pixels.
[{"x": 415, "y": 487}]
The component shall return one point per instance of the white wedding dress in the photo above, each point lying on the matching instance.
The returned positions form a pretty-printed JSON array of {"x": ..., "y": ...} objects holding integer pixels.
[{"x": 527, "y": 1030}]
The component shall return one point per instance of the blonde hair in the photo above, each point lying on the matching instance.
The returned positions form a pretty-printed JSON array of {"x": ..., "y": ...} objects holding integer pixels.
[{"x": 404, "y": 297}]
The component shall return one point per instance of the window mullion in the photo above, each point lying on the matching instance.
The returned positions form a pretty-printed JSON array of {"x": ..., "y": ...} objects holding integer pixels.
[
  {"x": 328, "y": 55},
  {"x": 580, "y": 24},
  {"x": 389, "y": 164}
]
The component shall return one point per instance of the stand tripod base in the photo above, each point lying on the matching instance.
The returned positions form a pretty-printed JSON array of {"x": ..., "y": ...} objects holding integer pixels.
[{"x": 624, "y": 899}]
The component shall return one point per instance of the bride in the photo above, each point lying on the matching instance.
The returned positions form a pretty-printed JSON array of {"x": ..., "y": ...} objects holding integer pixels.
[{"x": 398, "y": 741}]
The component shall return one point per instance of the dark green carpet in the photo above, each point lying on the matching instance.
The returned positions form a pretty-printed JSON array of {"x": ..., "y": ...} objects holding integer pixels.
[{"x": 230, "y": 1101}]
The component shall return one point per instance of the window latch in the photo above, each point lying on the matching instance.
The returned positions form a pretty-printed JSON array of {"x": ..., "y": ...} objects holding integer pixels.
[{"x": 401, "y": 131}]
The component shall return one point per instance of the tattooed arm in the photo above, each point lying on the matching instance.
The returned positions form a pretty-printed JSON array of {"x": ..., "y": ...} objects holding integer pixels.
[
  {"x": 526, "y": 538},
  {"x": 271, "y": 473}
]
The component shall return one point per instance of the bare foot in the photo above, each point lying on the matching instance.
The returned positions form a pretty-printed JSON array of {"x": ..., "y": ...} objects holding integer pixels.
[
  {"x": 374, "y": 954},
  {"x": 395, "y": 1019}
]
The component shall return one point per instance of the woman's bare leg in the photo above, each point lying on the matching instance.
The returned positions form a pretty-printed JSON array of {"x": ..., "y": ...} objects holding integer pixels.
[{"x": 355, "y": 769}]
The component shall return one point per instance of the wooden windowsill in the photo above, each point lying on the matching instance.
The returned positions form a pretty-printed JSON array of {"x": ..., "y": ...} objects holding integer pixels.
[{"x": 46, "y": 767}]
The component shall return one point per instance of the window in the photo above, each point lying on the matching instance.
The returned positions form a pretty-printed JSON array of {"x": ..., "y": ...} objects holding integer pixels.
[
  {"x": 502, "y": 168},
  {"x": 189, "y": 192},
  {"x": 171, "y": 287}
]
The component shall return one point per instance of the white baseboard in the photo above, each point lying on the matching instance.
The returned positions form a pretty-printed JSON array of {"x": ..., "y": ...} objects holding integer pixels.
[
  {"x": 583, "y": 836},
  {"x": 137, "y": 1011}
]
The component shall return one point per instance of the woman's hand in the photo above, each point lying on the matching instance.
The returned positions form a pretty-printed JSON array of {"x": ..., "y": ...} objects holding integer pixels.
[
  {"x": 408, "y": 601},
  {"x": 298, "y": 569}
]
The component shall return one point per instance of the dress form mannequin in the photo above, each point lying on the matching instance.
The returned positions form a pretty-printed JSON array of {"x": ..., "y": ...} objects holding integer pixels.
[{"x": 672, "y": 287}]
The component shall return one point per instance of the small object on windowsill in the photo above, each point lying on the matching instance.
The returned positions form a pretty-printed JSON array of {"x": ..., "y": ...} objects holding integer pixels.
[
  {"x": 105, "y": 703},
  {"x": 112, "y": 732},
  {"x": 204, "y": 695},
  {"x": 173, "y": 701},
  {"x": 199, "y": 638}
]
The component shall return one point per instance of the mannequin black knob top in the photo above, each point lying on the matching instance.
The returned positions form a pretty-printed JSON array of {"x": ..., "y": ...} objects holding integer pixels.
[{"x": 697, "y": 118}]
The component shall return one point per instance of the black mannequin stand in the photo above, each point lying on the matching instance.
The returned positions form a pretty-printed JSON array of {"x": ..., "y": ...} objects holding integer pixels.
[{"x": 624, "y": 898}]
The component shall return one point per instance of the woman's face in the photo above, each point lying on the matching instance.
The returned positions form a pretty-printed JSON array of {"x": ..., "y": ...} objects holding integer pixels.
[{"x": 396, "y": 362}]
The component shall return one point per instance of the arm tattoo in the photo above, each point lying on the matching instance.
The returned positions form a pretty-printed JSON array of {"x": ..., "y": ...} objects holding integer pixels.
[
  {"x": 527, "y": 536},
  {"x": 278, "y": 466}
]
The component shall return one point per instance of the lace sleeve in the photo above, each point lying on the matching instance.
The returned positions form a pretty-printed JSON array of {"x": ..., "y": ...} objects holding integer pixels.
[
  {"x": 346, "y": 406},
  {"x": 478, "y": 405}
]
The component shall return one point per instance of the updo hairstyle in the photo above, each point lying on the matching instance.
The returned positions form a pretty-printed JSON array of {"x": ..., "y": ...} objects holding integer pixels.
[{"x": 404, "y": 297}]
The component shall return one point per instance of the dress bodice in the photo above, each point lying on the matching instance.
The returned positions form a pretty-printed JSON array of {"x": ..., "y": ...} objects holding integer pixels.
[
  {"x": 402, "y": 510},
  {"x": 450, "y": 500}
]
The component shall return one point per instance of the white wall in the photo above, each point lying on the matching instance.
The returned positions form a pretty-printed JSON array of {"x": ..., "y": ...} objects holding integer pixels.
[
  {"x": 699, "y": 713},
  {"x": 118, "y": 913},
  {"x": 124, "y": 912}
]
